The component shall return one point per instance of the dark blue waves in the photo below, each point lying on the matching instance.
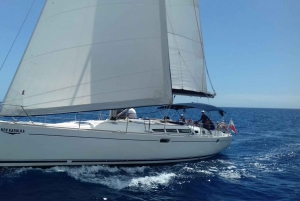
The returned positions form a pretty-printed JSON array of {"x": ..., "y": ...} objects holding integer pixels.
[{"x": 261, "y": 164}]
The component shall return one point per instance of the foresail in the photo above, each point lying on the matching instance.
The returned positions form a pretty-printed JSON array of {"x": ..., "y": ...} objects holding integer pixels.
[
  {"x": 187, "y": 60},
  {"x": 93, "y": 55}
]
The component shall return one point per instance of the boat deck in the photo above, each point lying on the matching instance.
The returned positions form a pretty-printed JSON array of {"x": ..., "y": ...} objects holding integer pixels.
[{"x": 140, "y": 126}]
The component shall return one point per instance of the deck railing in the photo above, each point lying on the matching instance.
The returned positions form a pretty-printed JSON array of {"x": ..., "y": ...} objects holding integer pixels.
[{"x": 82, "y": 117}]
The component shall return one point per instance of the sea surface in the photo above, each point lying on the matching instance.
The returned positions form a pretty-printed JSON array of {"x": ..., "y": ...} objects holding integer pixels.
[{"x": 262, "y": 163}]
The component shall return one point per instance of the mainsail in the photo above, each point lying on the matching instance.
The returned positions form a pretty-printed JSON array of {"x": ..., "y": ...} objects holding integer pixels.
[
  {"x": 109, "y": 54},
  {"x": 93, "y": 55}
]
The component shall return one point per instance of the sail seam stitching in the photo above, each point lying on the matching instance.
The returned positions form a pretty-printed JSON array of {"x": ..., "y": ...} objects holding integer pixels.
[
  {"x": 101, "y": 80},
  {"x": 91, "y": 44},
  {"x": 95, "y": 6},
  {"x": 87, "y": 96}
]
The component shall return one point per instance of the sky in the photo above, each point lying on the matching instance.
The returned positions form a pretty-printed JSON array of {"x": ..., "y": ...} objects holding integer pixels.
[{"x": 252, "y": 49}]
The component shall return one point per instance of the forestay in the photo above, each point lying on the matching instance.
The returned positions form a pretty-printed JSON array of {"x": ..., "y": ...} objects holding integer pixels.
[{"x": 93, "y": 55}]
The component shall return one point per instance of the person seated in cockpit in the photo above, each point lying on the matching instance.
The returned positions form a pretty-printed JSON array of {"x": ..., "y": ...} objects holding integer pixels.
[
  {"x": 221, "y": 126},
  {"x": 181, "y": 119}
]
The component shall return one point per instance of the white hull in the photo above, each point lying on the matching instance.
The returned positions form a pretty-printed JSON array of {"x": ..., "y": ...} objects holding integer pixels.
[{"x": 92, "y": 143}]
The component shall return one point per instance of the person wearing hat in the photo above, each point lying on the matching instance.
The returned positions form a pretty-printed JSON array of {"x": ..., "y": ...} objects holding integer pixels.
[
  {"x": 181, "y": 119},
  {"x": 203, "y": 118}
]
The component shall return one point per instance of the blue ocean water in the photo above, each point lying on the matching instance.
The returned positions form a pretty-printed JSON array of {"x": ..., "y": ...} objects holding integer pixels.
[{"x": 262, "y": 163}]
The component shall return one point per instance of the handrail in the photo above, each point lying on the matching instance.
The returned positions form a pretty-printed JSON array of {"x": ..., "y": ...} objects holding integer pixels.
[
  {"x": 60, "y": 118},
  {"x": 127, "y": 124}
]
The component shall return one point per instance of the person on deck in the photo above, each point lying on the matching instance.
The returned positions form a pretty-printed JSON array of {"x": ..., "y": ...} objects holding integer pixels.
[
  {"x": 181, "y": 119},
  {"x": 211, "y": 126},
  {"x": 203, "y": 118},
  {"x": 206, "y": 125}
]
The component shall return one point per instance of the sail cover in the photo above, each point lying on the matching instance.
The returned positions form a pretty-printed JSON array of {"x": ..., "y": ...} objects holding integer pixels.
[
  {"x": 185, "y": 48},
  {"x": 93, "y": 55}
]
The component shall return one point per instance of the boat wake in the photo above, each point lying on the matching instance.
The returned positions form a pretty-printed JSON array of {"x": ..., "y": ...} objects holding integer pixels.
[
  {"x": 275, "y": 160},
  {"x": 147, "y": 178},
  {"x": 118, "y": 177},
  {"x": 142, "y": 178}
]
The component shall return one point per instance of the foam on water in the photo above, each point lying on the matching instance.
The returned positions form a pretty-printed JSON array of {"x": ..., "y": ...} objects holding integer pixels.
[
  {"x": 230, "y": 174},
  {"x": 145, "y": 178},
  {"x": 135, "y": 169},
  {"x": 152, "y": 181},
  {"x": 206, "y": 172},
  {"x": 215, "y": 168},
  {"x": 84, "y": 169},
  {"x": 117, "y": 177},
  {"x": 274, "y": 160},
  {"x": 17, "y": 172}
]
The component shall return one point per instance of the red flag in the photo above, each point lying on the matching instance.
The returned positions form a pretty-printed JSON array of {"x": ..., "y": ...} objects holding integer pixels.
[{"x": 231, "y": 126}]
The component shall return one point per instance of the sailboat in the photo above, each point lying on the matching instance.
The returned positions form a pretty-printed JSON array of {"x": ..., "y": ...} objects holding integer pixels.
[{"x": 106, "y": 55}]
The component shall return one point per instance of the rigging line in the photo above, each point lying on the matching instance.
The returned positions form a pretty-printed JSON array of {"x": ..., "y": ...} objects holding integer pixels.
[
  {"x": 17, "y": 35},
  {"x": 200, "y": 37},
  {"x": 184, "y": 37}
]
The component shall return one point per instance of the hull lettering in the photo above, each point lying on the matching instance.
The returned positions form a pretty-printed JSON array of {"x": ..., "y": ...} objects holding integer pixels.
[{"x": 12, "y": 131}]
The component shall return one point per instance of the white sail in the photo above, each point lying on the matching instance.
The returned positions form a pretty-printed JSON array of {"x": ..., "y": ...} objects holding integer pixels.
[
  {"x": 185, "y": 48},
  {"x": 93, "y": 55}
]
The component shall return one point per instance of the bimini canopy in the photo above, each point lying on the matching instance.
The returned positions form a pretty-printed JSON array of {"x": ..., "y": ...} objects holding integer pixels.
[{"x": 202, "y": 106}]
